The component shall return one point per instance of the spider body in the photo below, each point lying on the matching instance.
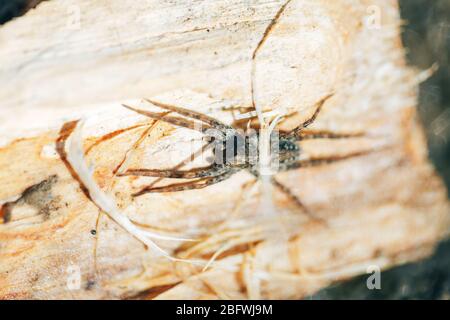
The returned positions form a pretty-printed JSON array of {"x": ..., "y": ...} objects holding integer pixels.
[
  {"x": 237, "y": 148},
  {"x": 232, "y": 148}
]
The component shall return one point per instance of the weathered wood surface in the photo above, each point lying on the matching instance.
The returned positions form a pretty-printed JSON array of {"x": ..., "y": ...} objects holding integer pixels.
[{"x": 382, "y": 209}]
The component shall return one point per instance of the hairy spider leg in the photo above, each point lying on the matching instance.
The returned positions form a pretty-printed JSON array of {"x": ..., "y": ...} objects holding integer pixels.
[
  {"x": 200, "y": 172},
  {"x": 296, "y": 131},
  {"x": 190, "y": 185},
  {"x": 181, "y": 122},
  {"x": 267, "y": 31},
  {"x": 290, "y": 195},
  {"x": 192, "y": 114},
  {"x": 320, "y": 161},
  {"x": 315, "y": 162},
  {"x": 285, "y": 190},
  {"x": 192, "y": 157},
  {"x": 324, "y": 134}
]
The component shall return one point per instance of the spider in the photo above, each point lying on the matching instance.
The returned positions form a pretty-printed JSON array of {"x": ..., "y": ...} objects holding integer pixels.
[{"x": 235, "y": 150}]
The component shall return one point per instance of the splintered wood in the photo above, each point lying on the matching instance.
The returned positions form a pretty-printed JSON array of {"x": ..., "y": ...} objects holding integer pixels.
[{"x": 67, "y": 60}]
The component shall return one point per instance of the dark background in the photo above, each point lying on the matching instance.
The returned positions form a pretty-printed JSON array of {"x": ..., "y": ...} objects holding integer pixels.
[{"x": 426, "y": 35}]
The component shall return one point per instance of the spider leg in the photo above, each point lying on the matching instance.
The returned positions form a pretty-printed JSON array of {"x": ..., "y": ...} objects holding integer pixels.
[
  {"x": 181, "y": 122},
  {"x": 295, "y": 199},
  {"x": 201, "y": 172},
  {"x": 285, "y": 190},
  {"x": 189, "y": 185},
  {"x": 192, "y": 157},
  {"x": 261, "y": 42},
  {"x": 192, "y": 114},
  {"x": 309, "y": 121},
  {"x": 323, "y": 134},
  {"x": 315, "y": 162}
]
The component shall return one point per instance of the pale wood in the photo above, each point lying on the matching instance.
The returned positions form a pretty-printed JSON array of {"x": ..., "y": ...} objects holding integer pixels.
[{"x": 383, "y": 209}]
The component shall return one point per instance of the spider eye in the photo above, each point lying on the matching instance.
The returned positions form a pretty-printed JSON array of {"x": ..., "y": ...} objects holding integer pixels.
[{"x": 288, "y": 145}]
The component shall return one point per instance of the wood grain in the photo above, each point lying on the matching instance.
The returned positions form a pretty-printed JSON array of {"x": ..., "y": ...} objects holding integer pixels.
[{"x": 383, "y": 209}]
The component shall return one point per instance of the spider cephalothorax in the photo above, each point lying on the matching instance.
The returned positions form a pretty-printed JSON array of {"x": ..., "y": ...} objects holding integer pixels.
[{"x": 241, "y": 150}]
